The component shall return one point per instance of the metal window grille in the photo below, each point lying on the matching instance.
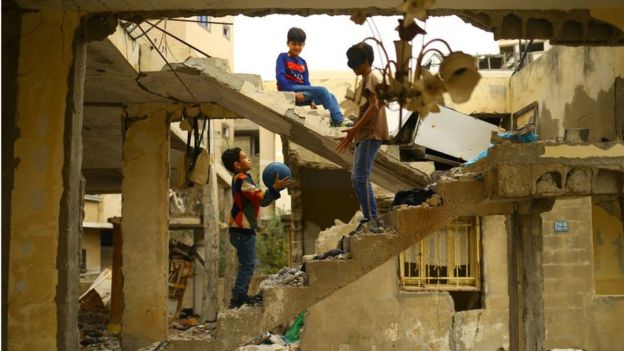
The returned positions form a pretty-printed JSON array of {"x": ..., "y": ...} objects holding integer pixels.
[{"x": 446, "y": 260}]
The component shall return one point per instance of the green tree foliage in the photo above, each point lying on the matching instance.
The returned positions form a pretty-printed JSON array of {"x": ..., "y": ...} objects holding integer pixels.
[{"x": 272, "y": 246}]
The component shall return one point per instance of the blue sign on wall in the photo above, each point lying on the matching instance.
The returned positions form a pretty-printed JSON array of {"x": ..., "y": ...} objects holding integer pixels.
[{"x": 561, "y": 226}]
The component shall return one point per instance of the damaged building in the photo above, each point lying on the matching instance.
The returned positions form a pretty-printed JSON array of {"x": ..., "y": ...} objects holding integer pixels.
[{"x": 521, "y": 250}]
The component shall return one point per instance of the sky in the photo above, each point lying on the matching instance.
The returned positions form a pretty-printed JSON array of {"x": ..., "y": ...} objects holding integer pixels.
[{"x": 258, "y": 40}]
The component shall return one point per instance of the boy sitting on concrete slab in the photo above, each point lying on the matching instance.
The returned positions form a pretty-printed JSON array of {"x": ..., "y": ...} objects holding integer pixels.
[{"x": 291, "y": 72}]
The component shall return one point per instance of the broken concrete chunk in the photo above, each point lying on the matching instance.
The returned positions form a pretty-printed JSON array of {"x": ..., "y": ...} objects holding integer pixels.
[{"x": 285, "y": 277}]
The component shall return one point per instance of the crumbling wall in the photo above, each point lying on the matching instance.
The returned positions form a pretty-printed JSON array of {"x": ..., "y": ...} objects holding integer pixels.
[
  {"x": 574, "y": 88},
  {"x": 375, "y": 314}
]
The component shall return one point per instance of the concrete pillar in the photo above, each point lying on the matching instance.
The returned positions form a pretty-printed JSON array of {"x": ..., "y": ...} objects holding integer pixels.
[
  {"x": 527, "y": 328},
  {"x": 145, "y": 226},
  {"x": 229, "y": 273},
  {"x": 198, "y": 271},
  {"x": 114, "y": 322},
  {"x": 44, "y": 209},
  {"x": 211, "y": 246}
]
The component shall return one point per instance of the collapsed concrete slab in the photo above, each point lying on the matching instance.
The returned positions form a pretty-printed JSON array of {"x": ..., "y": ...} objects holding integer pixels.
[{"x": 205, "y": 81}]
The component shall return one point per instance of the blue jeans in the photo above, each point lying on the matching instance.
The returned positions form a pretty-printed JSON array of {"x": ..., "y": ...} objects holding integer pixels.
[
  {"x": 245, "y": 245},
  {"x": 321, "y": 96},
  {"x": 363, "y": 160}
]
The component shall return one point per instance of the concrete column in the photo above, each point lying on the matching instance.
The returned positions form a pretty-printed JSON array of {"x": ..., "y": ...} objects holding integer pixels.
[
  {"x": 144, "y": 225},
  {"x": 114, "y": 323},
  {"x": 527, "y": 301},
  {"x": 229, "y": 274},
  {"x": 45, "y": 196},
  {"x": 198, "y": 271},
  {"x": 210, "y": 216}
]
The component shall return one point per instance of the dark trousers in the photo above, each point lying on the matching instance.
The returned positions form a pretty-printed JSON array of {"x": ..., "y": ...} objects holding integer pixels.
[{"x": 245, "y": 245}]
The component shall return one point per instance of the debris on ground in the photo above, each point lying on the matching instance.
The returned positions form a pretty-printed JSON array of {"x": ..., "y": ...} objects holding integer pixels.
[
  {"x": 270, "y": 341},
  {"x": 157, "y": 346},
  {"x": 286, "y": 277},
  {"x": 93, "y": 319},
  {"x": 333, "y": 254},
  {"x": 205, "y": 331}
]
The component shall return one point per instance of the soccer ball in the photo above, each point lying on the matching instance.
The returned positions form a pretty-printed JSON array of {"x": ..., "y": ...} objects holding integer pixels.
[{"x": 273, "y": 168}]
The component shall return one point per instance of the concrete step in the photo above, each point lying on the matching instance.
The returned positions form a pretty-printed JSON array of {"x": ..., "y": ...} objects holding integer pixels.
[{"x": 410, "y": 224}]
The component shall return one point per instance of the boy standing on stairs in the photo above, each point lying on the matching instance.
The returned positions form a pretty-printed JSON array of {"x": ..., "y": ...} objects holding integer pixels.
[
  {"x": 291, "y": 73},
  {"x": 368, "y": 133},
  {"x": 247, "y": 199}
]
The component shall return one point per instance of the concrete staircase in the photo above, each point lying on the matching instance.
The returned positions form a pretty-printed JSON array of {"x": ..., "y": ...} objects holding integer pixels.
[
  {"x": 410, "y": 224},
  {"x": 210, "y": 83}
]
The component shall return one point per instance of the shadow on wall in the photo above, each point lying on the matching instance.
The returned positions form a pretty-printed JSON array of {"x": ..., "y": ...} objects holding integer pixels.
[
  {"x": 547, "y": 127},
  {"x": 596, "y": 115}
]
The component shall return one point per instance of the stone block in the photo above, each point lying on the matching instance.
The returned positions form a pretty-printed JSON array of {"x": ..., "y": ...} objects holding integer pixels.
[
  {"x": 557, "y": 285},
  {"x": 568, "y": 270},
  {"x": 572, "y": 298},
  {"x": 567, "y": 256}
]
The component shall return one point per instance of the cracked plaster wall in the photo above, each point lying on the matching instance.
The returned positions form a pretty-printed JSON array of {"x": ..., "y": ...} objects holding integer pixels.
[
  {"x": 374, "y": 314},
  {"x": 38, "y": 182},
  {"x": 574, "y": 88}
]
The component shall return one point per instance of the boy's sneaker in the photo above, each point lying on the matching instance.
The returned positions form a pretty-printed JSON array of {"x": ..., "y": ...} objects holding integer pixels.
[
  {"x": 371, "y": 227},
  {"x": 377, "y": 227},
  {"x": 346, "y": 123},
  {"x": 238, "y": 301},
  {"x": 360, "y": 229}
]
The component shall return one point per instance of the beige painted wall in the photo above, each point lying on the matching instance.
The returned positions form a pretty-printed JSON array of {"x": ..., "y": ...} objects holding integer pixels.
[
  {"x": 91, "y": 242},
  {"x": 92, "y": 211},
  {"x": 575, "y": 317},
  {"x": 574, "y": 87},
  {"x": 608, "y": 244},
  {"x": 489, "y": 96},
  {"x": 374, "y": 314},
  {"x": 111, "y": 206},
  {"x": 38, "y": 185},
  {"x": 212, "y": 42}
]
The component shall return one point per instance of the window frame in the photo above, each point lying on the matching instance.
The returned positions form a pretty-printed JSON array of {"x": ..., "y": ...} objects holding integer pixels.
[
  {"x": 474, "y": 260},
  {"x": 204, "y": 22}
]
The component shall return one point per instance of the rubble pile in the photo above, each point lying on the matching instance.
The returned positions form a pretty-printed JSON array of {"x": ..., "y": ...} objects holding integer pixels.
[
  {"x": 204, "y": 331},
  {"x": 286, "y": 277},
  {"x": 384, "y": 203},
  {"x": 333, "y": 254},
  {"x": 92, "y": 321}
]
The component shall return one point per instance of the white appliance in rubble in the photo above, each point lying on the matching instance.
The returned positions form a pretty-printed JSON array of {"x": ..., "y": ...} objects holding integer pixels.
[{"x": 448, "y": 131}]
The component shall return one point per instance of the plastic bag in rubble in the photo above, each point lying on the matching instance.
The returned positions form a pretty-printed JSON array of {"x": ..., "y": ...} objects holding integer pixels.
[{"x": 292, "y": 334}]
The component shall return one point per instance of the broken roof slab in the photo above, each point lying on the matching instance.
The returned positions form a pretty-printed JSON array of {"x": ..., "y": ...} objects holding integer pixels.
[
  {"x": 262, "y": 7},
  {"x": 574, "y": 22},
  {"x": 205, "y": 82},
  {"x": 549, "y": 170}
]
